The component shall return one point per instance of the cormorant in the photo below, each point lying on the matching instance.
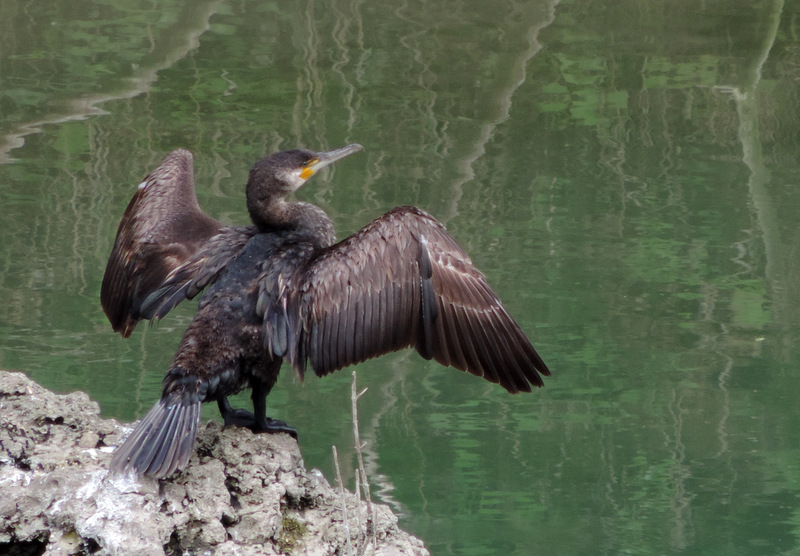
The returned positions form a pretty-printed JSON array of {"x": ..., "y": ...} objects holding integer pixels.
[{"x": 282, "y": 288}]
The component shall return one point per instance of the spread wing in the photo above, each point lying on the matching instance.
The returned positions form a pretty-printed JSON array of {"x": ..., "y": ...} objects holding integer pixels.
[
  {"x": 162, "y": 228},
  {"x": 402, "y": 281}
]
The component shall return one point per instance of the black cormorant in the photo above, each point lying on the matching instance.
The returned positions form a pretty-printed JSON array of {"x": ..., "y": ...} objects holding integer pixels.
[{"x": 282, "y": 288}]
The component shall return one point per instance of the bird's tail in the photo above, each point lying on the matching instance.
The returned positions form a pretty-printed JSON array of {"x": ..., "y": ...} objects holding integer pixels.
[{"x": 163, "y": 440}]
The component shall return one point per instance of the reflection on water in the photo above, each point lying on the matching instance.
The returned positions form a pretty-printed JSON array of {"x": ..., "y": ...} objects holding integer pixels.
[{"x": 624, "y": 173}]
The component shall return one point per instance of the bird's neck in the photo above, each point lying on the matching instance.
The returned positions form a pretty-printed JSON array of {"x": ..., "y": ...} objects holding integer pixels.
[
  {"x": 300, "y": 217},
  {"x": 270, "y": 214}
]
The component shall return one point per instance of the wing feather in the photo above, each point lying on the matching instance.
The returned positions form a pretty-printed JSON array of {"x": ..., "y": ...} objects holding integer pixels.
[
  {"x": 163, "y": 226},
  {"x": 471, "y": 359},
  {"x": 402, "y": 281},
  {"x": 351, "y": 323}
]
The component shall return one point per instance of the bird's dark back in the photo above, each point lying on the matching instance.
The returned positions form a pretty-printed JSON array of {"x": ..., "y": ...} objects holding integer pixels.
[{"x": 266, "y": 261}]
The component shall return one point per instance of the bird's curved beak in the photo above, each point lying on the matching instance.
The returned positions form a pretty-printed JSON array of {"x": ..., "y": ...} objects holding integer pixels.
[{"x": 324, "y": 158}]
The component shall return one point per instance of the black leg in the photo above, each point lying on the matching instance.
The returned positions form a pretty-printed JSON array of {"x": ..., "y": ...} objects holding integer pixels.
[
  {"x": 235, "y": 417},
  {"x": 262, "y": 422},
  {"x": 257, "y": 421}
]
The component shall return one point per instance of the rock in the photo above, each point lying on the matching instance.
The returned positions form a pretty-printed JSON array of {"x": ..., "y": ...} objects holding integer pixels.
[{"x": 241, "y": 493}]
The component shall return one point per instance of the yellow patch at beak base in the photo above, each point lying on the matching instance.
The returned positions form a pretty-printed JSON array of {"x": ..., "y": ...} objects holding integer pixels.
[{"x": 308, "y": 171}]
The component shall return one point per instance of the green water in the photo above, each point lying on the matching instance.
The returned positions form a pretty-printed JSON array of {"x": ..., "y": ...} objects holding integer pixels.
[{"x": 624, "y": 172}]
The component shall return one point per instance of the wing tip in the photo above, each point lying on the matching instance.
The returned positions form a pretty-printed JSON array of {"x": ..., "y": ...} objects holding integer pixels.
[{"x": 125, "y": 329}]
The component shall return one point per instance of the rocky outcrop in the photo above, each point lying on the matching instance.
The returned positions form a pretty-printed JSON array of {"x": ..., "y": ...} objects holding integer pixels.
[{"x": 240, "y": 494}]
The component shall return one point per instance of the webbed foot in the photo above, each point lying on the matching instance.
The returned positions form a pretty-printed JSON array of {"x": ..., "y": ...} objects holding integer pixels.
[
  {"x": 273, "y": 425},
  {"x": 244, "y": 418}
]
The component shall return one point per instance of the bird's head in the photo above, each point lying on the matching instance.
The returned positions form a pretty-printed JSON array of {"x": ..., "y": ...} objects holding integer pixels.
[{"x": 275, "y": 176}]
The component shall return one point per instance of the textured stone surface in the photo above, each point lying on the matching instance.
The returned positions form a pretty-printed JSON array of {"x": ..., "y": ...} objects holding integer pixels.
[{"x": 240, "y": 494}]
